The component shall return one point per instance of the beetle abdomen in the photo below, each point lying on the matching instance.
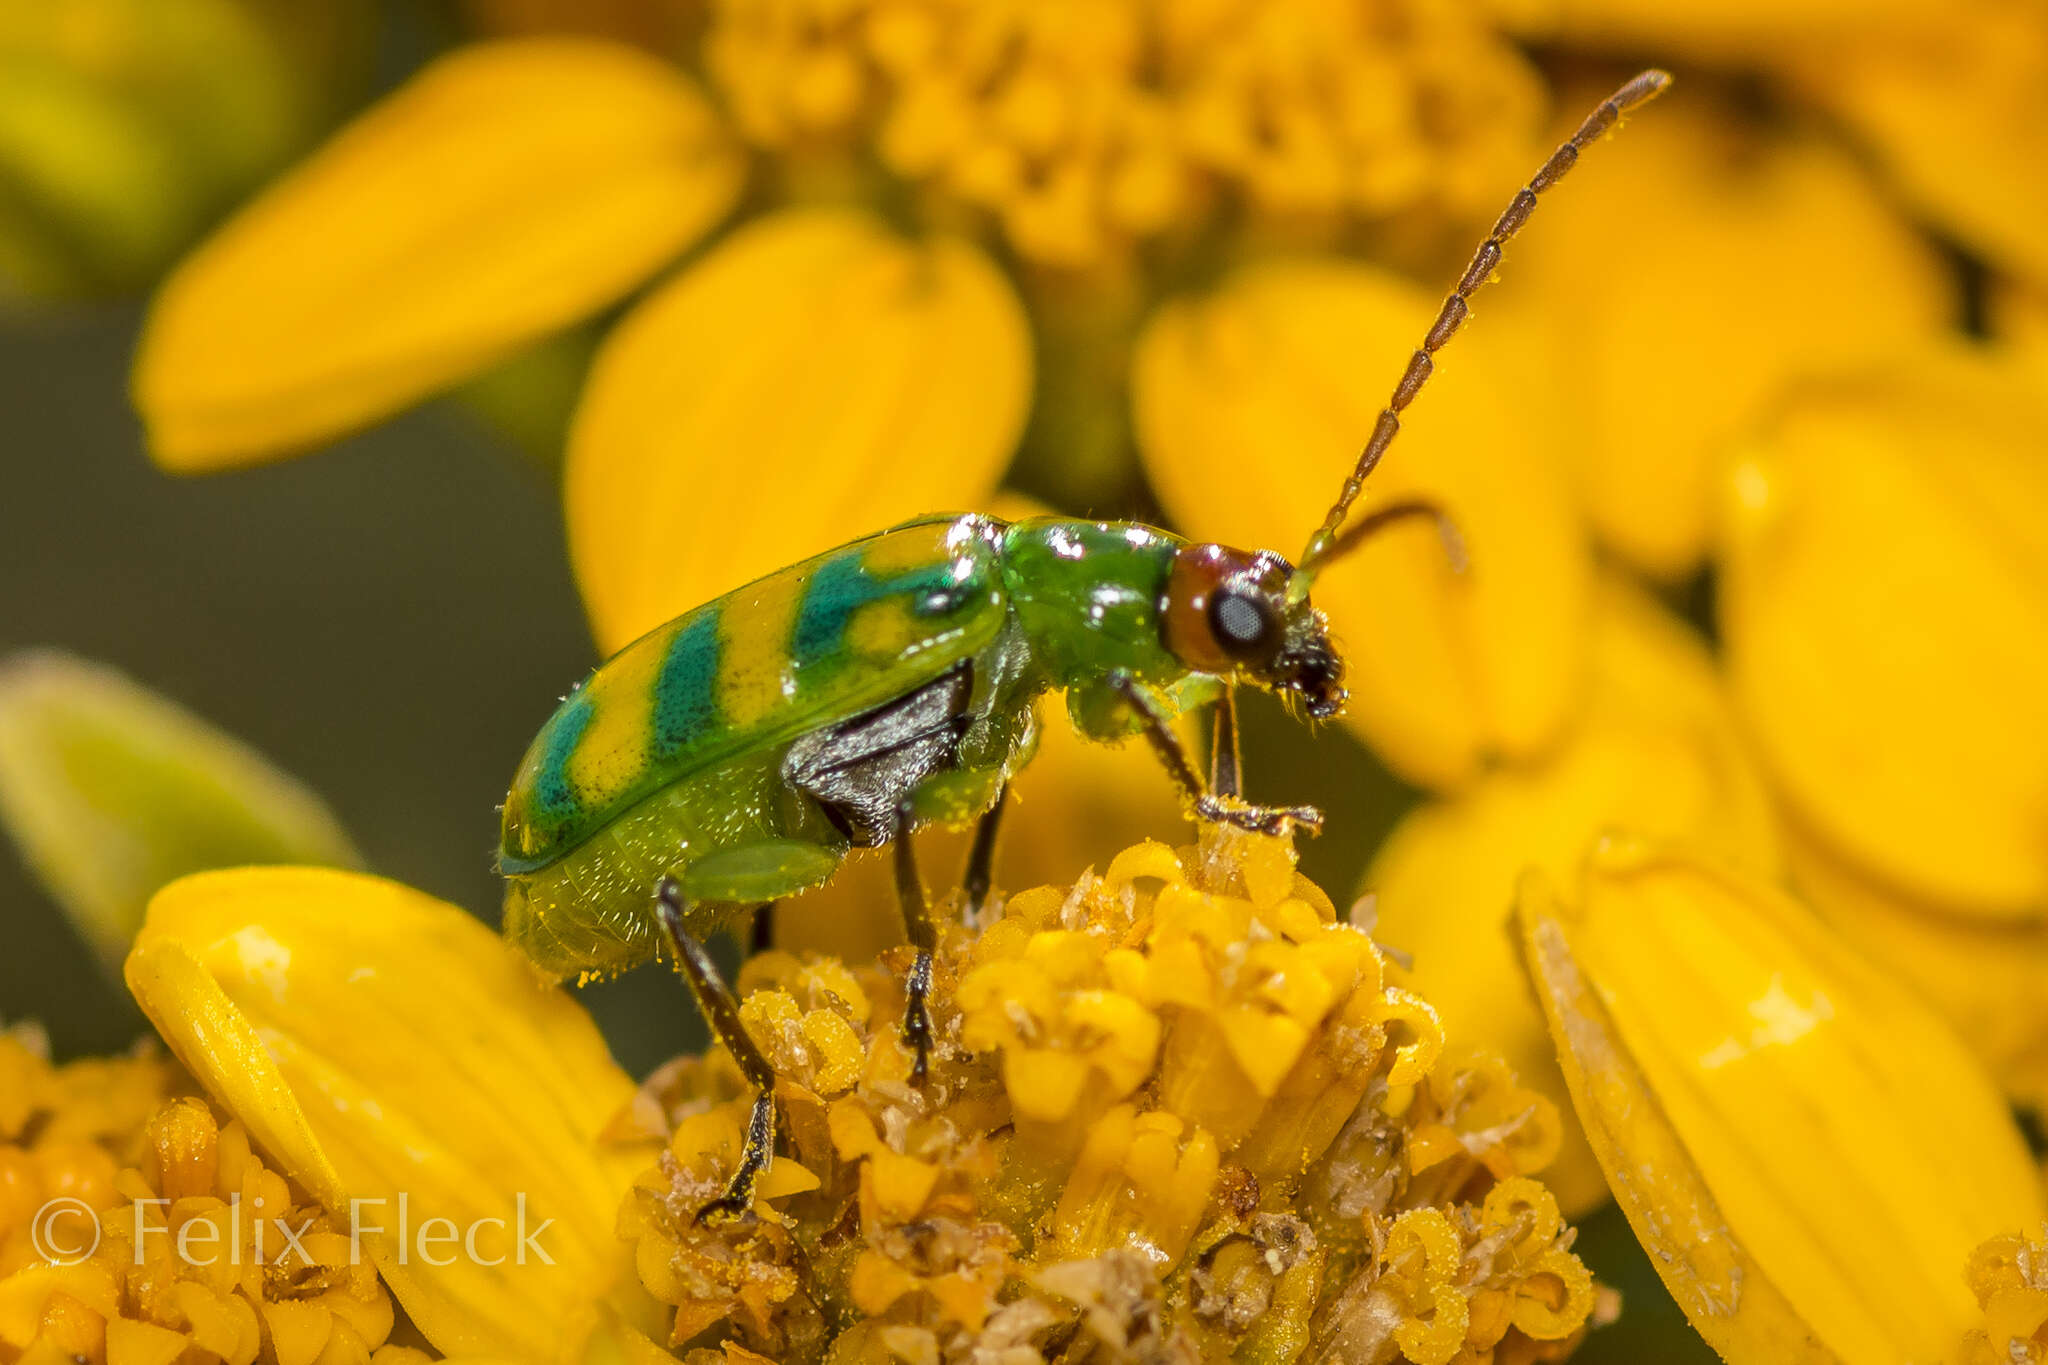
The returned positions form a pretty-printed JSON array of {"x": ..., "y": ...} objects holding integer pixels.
[
  {"x": 817, "y": 642},
  {"x": 590, "y": 911}
]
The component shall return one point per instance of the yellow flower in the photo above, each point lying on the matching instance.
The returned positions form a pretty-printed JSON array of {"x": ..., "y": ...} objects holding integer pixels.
[
  {"x": 862, "y": 374},
  {"x": 1657, "y": 750},
  {"x": 400, "y": 1063},
  {"x": 65, "y": 1133},
  {"x": 1807, "y": 1152},
  {"x": 1984, "y": 976},
  {"x": 2009, "y": 1276},
  {"x": 808, "y": 353},
  {"x": 1886, "y": 619},
  {"x": 1953, "y": 101},
  {"x": 1947, "y": 97},
  {"x": 112, "y": 791},
  {"x": 1259, "y": 1119},
  {"x": 591, "y": 156},
  {"x": 961, "y": 231},
  {"x": 200, "y": 1250},
  {"x": 1175, "y": 1108},
  {"x": 1712, "y": 260},
  {"x": 1246, "y": 401}
]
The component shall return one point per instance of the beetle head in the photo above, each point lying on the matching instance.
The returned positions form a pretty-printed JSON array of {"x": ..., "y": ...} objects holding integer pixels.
[{"x": 1241, "y": 615}]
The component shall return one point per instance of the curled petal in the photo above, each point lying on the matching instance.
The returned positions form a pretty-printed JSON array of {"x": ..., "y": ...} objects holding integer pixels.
[
  {"x": 1808, "y": 1153},
  {"x": 1251, "y": 405},
  {"x": 815, "y": 377},
  {"x": 1885, "y": 606},
  {"x": 113, "y": 791},
  {"x": 384, "y": 1046},
  {"x": 1703, "y": 269},
  {"x": 507, "y": 190},
  {"x": 1658, "y": 750}
]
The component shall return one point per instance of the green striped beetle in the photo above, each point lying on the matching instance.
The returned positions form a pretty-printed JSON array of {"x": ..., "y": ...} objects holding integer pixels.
[{"x": 734, "y": 755}]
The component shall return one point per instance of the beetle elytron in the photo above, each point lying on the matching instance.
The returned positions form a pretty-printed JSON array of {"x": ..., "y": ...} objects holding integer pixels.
[{"x": 734, "y": 755}]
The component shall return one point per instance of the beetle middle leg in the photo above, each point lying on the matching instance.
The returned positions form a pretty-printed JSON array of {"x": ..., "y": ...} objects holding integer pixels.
[
  {"x": 981, "y": 861},
  {"x": 1215, "y": 807},
  {"x": 722, "y": 1013}
]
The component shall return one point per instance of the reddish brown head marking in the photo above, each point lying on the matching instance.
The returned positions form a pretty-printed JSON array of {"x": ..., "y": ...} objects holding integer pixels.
[
  {"x": 1224, "y": 607},
  {"x": 1230, "y": 612}
]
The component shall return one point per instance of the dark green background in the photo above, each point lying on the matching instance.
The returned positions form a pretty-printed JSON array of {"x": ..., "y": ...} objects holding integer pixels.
[{"x": 389, "y": 620}]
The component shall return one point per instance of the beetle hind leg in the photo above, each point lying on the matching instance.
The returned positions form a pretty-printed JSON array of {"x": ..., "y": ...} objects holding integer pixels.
[
  {"x": 722, "y": 1013},
  {"x": 923, "y": 932}
]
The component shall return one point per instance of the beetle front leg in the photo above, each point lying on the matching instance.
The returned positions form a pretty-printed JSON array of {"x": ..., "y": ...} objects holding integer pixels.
[
  {"x": 1211, "y": 806},
  {"x": 722, "y": 1013},
  {"x": 1225, "y": 766}
]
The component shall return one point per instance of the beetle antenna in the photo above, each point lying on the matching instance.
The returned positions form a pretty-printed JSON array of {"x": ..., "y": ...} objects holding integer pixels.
[{"x": 1325, "y": 545}]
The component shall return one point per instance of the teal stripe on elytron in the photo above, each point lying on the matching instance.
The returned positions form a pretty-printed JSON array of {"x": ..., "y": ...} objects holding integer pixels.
[
  {"x": 842, "y": 585},
  {"x": 685, "y": 700},
  {"x": 555, "y": 804}
]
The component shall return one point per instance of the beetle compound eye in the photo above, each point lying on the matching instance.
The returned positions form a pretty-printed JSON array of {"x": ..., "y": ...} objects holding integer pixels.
[
  {"x": 1243, "y": 624},
  {"x": 1222, "y": 607}
]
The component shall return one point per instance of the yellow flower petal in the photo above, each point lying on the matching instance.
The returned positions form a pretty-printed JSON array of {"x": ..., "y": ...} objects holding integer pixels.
[
  {"x": 1251, "y": 405},
  {"x": 1702, "y": 269},
  {"x": 1986, "y": 979},
  {"x": 1885, "y": 606},
  {"x": 380, "y": 1044},
  {"x": 113, "y": 791},
  {"x": 1808, "y": 1153},
  {"x": 504, "y": 192},
  {"x": 814, "y": 378},
  {"x": 1956, "y": 109},
  {"x": 1657, "y": 751}
]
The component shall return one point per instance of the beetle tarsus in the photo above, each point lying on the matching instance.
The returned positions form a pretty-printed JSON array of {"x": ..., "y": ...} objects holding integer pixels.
[
  {"x": 923, "y": 933},
  {"x": 738, "y": 1200},
  {"x": 722, "y": 1014},
  {"x": 917, "y": 1017},
  {"x": 1274, "y": 820}
]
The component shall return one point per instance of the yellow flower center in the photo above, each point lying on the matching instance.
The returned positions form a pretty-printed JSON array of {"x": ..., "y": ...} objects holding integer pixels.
[
  {"x": 1177, "y": 1110},
  {"x": 1083, "y": 125},
  {"x": 136, "y": 1230}
]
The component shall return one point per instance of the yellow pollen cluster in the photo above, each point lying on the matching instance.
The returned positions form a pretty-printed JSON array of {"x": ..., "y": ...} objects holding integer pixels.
[
  {"x": 66, "y": 1132},
  {"x": 1085, "y": 124},
  {"x": 1177, "y": 1110},
  {"x": 2010, "y": 1278},
  {"x": 199, "y": 1255}
]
